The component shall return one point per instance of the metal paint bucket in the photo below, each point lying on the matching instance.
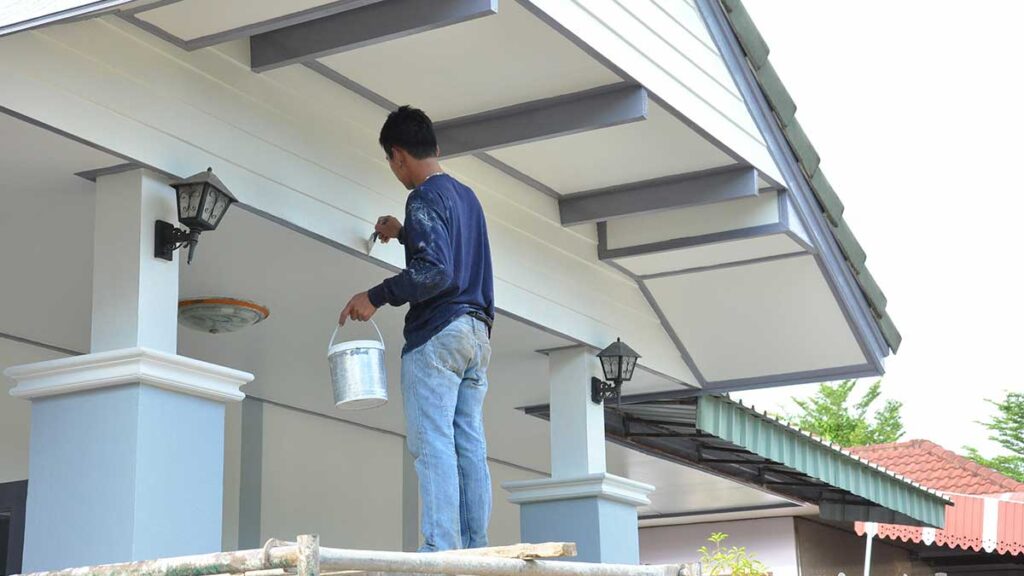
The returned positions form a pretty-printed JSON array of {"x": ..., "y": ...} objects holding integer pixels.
[{"x": 357, "y": 372}]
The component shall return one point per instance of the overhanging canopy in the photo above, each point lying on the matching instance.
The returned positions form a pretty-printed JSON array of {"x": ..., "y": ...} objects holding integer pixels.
[{"x": 725, "y": 438}]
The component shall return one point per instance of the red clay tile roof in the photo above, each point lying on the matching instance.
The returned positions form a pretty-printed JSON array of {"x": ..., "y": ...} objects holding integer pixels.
[{"x": 937, "y": 468}]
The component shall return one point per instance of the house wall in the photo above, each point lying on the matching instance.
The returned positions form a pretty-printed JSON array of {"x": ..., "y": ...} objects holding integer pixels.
[
  {"x": 827, "y": 551},
  {"x": 15, "y": 413},
  {"x": 301, "y": 148},
  {"x": 340, "y": 480},
  {"x": 330, "y": 478},
  {"x": 771, "y": 540},
  {"x": 664, "y": 45}
]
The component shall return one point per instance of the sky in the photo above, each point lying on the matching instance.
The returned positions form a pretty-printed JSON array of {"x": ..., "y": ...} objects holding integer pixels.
[{"x": 916, "y": 110}]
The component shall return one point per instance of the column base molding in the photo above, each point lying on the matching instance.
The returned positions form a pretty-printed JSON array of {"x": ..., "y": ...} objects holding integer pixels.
[
  {"x": 601, "y": 485},
  {"x": 128, "y": 366}
]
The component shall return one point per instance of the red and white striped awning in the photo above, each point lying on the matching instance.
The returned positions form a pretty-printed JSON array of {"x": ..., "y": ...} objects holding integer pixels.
[{"x": 990, "y": 523}]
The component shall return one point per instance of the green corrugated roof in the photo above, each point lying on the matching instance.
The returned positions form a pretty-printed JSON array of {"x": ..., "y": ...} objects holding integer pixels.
[
  {"x": 778, "y": 98},
  {"x": 775, "y": 440}
]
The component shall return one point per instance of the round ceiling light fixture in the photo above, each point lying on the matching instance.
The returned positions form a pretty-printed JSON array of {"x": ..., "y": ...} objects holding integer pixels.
[{"x": 220, "y": 315}]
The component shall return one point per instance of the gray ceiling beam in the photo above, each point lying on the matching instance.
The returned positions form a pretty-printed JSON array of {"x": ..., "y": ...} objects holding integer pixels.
[
  {"x": 659, "y": 194},
  {"x": 541, "y": 119},
  {"x": 351, "y": 29}
]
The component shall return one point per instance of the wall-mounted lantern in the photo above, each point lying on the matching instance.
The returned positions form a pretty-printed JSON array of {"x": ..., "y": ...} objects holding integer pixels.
[
  {"x": 202, "y": 201},
  {"x": 617, "y": 362}
]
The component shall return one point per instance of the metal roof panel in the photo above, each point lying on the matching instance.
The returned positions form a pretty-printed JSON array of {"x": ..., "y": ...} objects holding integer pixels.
[{"x": 774, "y": 440}]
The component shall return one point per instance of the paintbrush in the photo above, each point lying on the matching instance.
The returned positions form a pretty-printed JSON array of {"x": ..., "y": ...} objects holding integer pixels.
[{"x": 371, "y": 241}]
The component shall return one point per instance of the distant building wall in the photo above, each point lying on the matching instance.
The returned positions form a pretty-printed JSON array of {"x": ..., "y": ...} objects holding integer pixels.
[
  {"x": 827, "y": 551},
  {"x": 771, "y": 540}
]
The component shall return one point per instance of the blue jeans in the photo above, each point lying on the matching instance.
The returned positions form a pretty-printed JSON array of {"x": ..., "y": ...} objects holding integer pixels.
[{"x": 443, "y": 384}]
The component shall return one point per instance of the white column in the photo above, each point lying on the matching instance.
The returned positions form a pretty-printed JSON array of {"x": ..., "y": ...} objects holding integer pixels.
[
  {"x": 581, "y": 502},
  {"x": 134, "y": 295},
  {"x": 577, "y": 423},
  {"x": 126, "y": 450}
]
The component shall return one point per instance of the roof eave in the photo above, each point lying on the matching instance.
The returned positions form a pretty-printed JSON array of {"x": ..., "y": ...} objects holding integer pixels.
[{"x": 746, "y": 55}]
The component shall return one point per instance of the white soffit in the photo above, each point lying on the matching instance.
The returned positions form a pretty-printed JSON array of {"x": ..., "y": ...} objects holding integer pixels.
[
  {"x": 191, "y": 19},
  {"x": 659, "y": 146},
  {"x": 710, "y": 254},
  {"x": 681, "y": 489},
  {"x": 773, "y": 317},
  {"x": 488, "y": 63},
  {"x": 693, "y": 221}
]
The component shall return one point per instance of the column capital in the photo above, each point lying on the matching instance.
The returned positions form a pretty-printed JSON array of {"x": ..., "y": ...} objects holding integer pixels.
[
  {"x": 602, "y": 485},
  {"x": 128, "y": 366}
]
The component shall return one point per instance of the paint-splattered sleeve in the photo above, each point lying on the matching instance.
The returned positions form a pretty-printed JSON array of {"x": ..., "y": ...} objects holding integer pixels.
[{"x": 428, "y": 268}]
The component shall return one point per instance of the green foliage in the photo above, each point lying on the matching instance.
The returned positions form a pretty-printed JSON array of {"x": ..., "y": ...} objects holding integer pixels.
[
  {"x": 1008, "y": 431},
  {"x": 829, "y": 414},
  {"x": 733, "y": 561}
]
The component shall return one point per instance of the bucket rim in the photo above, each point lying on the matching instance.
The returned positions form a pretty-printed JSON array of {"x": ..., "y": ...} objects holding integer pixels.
[
  {"x": 351, "y": 404},
  {"x": 341, "y": 346}
]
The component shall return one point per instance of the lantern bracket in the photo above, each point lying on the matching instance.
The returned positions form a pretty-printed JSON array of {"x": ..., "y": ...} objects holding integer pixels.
[
  {"x": 170, "y": 238},
  {"x": 601, "y": 390}
]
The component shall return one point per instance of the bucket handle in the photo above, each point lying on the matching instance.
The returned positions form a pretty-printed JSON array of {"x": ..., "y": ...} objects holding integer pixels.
[{"x": 335, "y": 334}]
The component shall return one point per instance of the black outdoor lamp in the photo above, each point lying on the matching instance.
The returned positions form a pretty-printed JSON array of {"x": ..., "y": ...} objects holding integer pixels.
[
  {"x": 202, "y": 201},
  {"x": 617, "y": 362}
]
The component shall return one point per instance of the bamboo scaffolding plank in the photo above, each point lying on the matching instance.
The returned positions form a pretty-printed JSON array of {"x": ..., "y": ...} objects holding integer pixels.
[
  {"x": 337, "y": 559},
  {"x": 308, "y": 562},
  {"x": 285, "y": 557},
  {"x": 307, "y": 558},
  {"x": 514, "y": 551},
  {"x": 520, "y": 551}
]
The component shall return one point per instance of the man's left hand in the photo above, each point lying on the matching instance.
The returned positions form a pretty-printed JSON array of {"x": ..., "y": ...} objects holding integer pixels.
[{"x": 358, "y": 308}]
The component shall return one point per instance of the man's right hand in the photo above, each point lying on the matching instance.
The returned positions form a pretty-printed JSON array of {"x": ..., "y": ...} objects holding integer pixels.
[{"x": 388, "y": 227}]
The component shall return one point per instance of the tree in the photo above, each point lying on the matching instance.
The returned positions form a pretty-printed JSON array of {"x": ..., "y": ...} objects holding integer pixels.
[
  {"x": 829, "y": 415},
  {"x": 1008, "y": 431}
]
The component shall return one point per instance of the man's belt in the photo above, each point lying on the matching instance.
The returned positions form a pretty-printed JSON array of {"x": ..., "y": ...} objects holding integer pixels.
[{"x": 478, "y": 315}]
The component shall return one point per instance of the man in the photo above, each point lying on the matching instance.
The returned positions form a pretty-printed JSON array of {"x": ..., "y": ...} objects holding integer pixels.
[{"x": 449, "y": 287}]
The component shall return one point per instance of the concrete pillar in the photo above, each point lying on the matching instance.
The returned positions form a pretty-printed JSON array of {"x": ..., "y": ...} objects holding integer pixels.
[
  {"x": 250, "y": 485},
  {"x": 126, "y": 453},
  {"x": 581, "y": 502},
  {"x": 410, "y": 504},
  {"x": 134, "y": 295}
]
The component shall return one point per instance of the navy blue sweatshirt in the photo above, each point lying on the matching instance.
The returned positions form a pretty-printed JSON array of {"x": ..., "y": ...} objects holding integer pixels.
[{"x": 447, "y": 260}]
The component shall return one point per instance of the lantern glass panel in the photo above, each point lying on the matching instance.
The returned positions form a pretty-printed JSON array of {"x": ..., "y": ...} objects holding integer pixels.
[
  {"x": 220, "y": 206},
  {"x": 629, "y": 364},
  {"x": 610, "y": 365},
  {"x": 189, "y": 198},
  {"x": 209, "y": 199}
]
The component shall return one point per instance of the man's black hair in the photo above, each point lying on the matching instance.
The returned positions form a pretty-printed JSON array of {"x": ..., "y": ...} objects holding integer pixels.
[{"x": 411, "y": 130}]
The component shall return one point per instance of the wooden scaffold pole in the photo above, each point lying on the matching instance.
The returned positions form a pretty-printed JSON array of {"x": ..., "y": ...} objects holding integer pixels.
[{"x": 308, "y": 558}]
